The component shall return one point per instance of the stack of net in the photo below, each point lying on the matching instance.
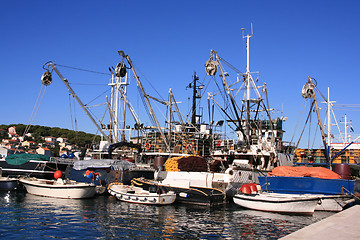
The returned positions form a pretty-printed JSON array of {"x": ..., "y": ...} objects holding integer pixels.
[{"x": 187, "y": 164}]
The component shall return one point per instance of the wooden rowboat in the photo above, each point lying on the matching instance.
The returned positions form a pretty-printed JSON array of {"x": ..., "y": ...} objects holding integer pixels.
[{"x": 134, "y": 194}]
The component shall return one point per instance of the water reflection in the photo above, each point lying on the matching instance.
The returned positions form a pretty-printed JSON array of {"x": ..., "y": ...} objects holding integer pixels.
[{"x": 27, "y": 216}]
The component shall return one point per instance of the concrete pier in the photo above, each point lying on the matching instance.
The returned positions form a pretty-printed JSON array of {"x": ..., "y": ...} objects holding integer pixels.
[{"x": 343, "y": 225}]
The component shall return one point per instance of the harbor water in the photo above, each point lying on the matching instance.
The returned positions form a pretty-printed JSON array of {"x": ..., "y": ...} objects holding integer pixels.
[{"x": 25, "y": 216}]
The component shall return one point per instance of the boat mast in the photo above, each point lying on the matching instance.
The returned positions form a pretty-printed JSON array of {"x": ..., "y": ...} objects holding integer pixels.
[
  {"x": 345, "y": 119},
  {"x": 248, "y": 83},
  {"x": 193, "y": 116},
  {"x": 123, "y": 89},
  {"x": 170, "y": 115},
  {"x": 118, "y": 93},
  {"x": 329, "y": 120}
]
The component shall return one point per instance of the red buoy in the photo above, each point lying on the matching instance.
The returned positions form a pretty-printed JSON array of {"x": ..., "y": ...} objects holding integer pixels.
[
  {"x": 57, "y": 174},
  {"x": 253, "y": 187},
  {"x": 245, "y": 189}
]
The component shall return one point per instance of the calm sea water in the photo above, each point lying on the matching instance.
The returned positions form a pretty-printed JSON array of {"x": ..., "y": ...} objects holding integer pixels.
[{"x": 25, "y": 216}]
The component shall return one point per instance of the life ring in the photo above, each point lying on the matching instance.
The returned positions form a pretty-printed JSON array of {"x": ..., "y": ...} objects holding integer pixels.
[
  {"x": 218, "y": 143},
  {"x": 189, "y": 147},
  {"x": 147, "y": 146}
]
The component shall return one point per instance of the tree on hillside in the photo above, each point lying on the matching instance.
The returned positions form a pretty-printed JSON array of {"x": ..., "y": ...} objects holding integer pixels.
[{"x": 80, "y": 139}]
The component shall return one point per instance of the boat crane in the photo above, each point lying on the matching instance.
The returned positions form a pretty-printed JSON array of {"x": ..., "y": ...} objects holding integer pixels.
[
  {"x": 308, "y": 91},
  {"x": 46, "y": 79}
]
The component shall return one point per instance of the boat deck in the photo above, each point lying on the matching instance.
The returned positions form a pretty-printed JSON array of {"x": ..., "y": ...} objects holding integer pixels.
[{"x": 343, "y": 225}]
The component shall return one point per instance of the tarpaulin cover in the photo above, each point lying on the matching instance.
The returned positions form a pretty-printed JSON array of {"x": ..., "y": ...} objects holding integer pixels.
[
  {"x": 317, "y": 172},
  {"x": 19, "y": 159},
  {"x": 103, "y": 163}
]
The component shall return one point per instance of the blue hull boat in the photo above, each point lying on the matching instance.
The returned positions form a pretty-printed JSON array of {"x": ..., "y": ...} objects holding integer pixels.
[
  {"x": 8, "y": 184},
  {"x": 309, "y": 185}
]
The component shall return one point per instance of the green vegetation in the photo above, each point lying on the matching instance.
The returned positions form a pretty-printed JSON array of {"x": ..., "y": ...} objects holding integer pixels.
[{"x": 79, "y": 139}]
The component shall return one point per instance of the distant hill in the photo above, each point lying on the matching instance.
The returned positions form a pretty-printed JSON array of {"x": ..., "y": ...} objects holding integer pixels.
[{"x": 79, "y": 138}]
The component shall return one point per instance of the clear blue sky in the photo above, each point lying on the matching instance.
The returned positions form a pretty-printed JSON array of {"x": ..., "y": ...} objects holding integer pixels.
[{"x": 168, "y": 41}]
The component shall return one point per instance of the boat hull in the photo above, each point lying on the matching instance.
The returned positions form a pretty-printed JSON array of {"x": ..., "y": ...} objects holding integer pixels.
[
  {"x": 191, "y": 195},
  {"x": 38, "y": 169},
  {"x": 333, "y": 203},
  {"x": 309, "y": 185},
  {"x": 137, "y": 195},
  {"x": 278, "y": 203},
  {"x": 8, "y": 184},
  {"x": 49, "y": 188}
]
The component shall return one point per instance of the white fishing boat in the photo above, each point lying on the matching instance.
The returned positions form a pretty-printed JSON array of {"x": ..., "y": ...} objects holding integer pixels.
[
  {"x": 134, "y": 194},
  {"x": 278, "y": 203},
  {"x": 58, "y": 188}
]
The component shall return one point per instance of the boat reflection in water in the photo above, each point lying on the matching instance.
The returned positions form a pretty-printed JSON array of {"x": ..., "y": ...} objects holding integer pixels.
[{"x": 104, "y": 217}]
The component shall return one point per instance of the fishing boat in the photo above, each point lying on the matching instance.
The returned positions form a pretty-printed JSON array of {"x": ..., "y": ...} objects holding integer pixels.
[
  {"x": 335, "y": 192},
  {"x": 59, "y": 188},
  {"x": 278, "y": 203},
  {"x": 185, "y": 193},
  {"x": 316, "y": 177},
  {"x": 243, "y": 158},
  {"x": 254, "y": 143},
  {"x": 34, "y": 165},
  {"x": 309, "y": 183},
  {"x": 253, "y": 149},
  {"x": 133, "y": 194}
]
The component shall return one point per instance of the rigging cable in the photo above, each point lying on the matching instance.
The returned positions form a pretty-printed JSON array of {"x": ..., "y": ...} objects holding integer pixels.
[
  {"x": 298, "y": 121},
  {"x": 34, "y": 111},
  {"x": 36, "y": 108},
  {"x": 311, "y": 107},
  {"x": 85, "y": 70},
  {"x": 137, "y": 69},
  {"x": 73, "y": 122}
]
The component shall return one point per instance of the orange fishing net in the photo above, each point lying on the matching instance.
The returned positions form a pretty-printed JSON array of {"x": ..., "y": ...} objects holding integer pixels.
[{"x": 318, "y": 172}]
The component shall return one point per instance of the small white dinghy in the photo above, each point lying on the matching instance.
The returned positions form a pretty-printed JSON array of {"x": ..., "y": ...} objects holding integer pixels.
[
  {"x": 58, "y": 188},
  {"x": 134, "y": 194},
  {"x": 278, "y": 203}
]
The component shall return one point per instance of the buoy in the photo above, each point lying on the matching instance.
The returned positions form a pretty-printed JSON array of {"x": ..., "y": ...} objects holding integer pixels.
[
  {"x": 89, "y": 174},
  {"x": 57, "y": 174},
  {"x": 245, "y": 189},
  {"x": 71, "y": 155},
  {"x": 253, "y": 187}
]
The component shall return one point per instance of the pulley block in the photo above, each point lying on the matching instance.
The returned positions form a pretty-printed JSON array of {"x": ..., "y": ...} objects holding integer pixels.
[
  {"x": 120, "y": 70},
  {"x": 46, "y": 78},
  {"x": 211, "y": 67}
]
